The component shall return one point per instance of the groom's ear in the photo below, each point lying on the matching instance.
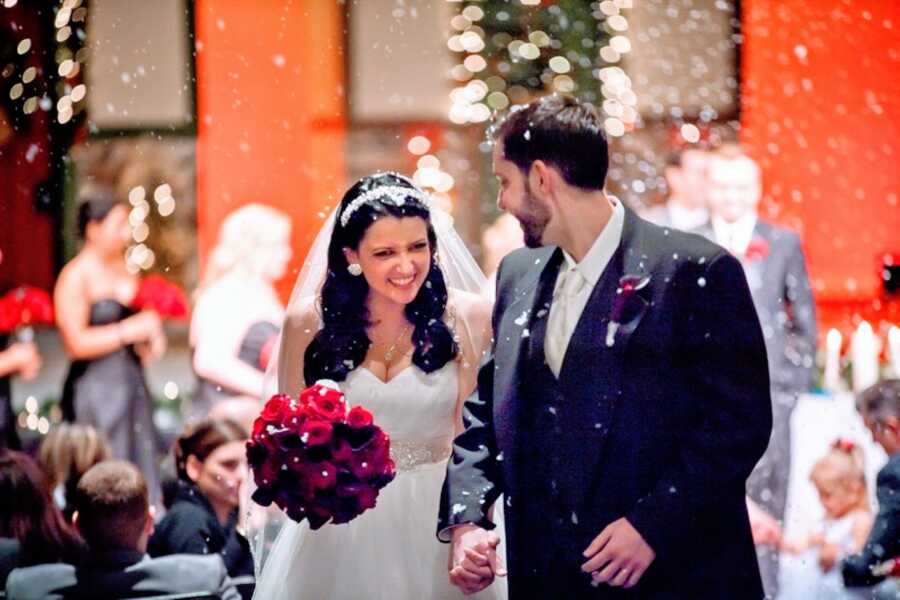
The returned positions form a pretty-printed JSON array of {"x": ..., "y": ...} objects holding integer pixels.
[{"x": 541, "y": 180}]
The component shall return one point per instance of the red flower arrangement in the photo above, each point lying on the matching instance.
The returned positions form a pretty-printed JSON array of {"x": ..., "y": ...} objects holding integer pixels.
[
  {"x": 757, "y": 249},
  {"x": 317, "y": 460},
  {"x": 624, "y": 303},
  {"x": 157, "y": 293},
  {"x": 23, "y": 308}
]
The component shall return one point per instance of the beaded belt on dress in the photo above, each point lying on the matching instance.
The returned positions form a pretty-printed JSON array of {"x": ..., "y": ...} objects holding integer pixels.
[{"x": 409, "y": 454}]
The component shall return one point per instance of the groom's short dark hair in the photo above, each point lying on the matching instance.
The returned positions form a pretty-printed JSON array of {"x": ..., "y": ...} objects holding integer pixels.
[{"x": 561, "y": 131}]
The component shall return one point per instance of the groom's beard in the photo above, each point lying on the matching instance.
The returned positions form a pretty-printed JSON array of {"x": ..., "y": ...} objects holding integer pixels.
[{"x": 533, "y": 219}]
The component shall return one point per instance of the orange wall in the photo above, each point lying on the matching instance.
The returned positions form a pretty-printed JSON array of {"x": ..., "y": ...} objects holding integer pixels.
[
  {"x": 270, "y": 80},
  {"x": 821, "y": 112}
]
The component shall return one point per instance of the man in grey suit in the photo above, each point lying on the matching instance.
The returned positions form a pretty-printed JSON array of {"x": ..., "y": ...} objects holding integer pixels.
[
  {"x": 685, "y": 206},
  {"x": 775, "y": 267},
  {"x": 114, "y": 517}
]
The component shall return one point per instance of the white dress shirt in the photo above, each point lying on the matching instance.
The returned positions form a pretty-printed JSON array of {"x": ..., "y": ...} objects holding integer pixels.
[
  {"x": 574, "y": 285},
  {"x": 735, "y": 237}
]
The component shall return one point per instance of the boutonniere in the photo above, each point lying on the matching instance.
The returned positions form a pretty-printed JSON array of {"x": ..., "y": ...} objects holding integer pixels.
[
  {"x": 629, "y": 285},
  {"x": 757, "y": 249}
]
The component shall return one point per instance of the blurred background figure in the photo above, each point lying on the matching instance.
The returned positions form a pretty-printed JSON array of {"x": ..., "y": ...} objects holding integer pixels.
[
  {"x": 32, "y": 529},
  {"x": 840, "y": 480},
  {"x": 16, "y": 358},
  {"x": 24, "y": 360},
  {"x": 499, "y": 239},
  {"x": 880, "y": 407},
  {"x": 113, "y": 515},
  {"x": 775, "y": 267},
  {"x": 65, "y": 454},
  {"x": 211, "y": 461},
  {"x": 107, "y": 341},
  {"x": 238, "y": 313},
  {"x": 685, "y": 205}
]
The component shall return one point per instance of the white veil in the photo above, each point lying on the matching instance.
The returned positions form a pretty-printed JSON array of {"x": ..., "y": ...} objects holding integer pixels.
[{"x": 468, "y": 315}]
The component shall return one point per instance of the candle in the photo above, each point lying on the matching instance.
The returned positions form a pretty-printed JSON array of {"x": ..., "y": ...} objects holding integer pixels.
[
  {"x": 894, "y": 349},
  {"x": 832, "y": 381},
  {"x": 864, "y": 356}
]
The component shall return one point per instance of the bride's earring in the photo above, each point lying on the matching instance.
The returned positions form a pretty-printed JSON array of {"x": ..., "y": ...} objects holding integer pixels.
[{"x": 354, "y": 269}]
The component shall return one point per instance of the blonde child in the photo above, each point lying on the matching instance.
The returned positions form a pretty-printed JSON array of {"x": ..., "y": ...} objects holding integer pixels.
[{"x": 839, "y": 477}]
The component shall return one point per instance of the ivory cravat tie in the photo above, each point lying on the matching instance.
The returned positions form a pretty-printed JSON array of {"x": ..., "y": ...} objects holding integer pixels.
[{"x": 561, "y": 320}]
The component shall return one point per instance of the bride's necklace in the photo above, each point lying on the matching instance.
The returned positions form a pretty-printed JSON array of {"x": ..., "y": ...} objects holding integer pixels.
[{"x": 392, "y": 349}]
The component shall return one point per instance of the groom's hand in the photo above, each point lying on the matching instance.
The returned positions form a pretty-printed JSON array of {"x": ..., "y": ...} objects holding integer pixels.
[
  {"x": 473, "y": 558},
  {"x": 618, "y": 556}
]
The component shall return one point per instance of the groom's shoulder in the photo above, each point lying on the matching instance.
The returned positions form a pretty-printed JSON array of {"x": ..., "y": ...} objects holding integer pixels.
[
  {"x": 677, "y": 246},
  {"x": 521, "y": 261}
]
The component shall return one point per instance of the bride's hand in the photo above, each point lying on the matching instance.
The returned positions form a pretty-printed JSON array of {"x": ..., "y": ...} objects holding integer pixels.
[{"x": 473, "y": 558}]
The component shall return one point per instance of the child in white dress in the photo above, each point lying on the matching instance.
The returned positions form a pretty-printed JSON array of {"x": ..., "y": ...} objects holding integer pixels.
[{"x": 839, "y": 477}]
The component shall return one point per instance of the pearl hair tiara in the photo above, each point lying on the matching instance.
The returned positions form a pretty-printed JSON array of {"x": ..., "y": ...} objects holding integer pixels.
[{"x": 387, "y": 193}]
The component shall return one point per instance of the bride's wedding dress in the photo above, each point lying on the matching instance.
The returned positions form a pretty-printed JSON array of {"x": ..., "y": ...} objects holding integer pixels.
[{"x": 390, "y": 551}]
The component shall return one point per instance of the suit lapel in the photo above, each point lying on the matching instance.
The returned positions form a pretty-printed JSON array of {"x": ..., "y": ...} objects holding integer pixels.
[{"x": 516, "y": 338}]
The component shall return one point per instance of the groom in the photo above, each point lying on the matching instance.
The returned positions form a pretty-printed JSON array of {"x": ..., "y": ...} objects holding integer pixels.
[{"x": 627, "y": 397}]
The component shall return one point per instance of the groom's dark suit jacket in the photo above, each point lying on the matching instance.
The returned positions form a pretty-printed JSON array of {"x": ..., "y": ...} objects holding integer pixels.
[{"x": 662, "y": 428}]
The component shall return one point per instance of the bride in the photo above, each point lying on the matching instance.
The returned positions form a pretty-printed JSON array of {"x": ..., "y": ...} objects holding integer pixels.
[{"x": 387, "y": 306}]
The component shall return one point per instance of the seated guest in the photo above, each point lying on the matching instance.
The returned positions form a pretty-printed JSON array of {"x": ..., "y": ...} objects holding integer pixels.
[
  {"x": 66, "y": 453},
  {"x": 114, "y": 517},
  {"x": 32, "y": 529},
  {"x": 211, "y": 461},
  {"x": 880, "y": 408}
]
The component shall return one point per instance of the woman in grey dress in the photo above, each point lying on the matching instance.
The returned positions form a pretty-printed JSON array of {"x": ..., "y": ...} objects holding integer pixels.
[{"x": 107, "y": 340}]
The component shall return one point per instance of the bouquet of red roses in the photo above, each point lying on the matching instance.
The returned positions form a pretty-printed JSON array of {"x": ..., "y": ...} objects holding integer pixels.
[
  {"x": 24, "y": 307},
  {"x": 317, "y": 460},
  {"x": 157, "y": 293}
]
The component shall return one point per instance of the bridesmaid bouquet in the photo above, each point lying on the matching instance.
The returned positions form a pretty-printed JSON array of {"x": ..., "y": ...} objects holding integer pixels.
[
  {"x": 157, "y": 293},
  {"x": 317, "y": 460},
  {"x": 23, "y": 308}
]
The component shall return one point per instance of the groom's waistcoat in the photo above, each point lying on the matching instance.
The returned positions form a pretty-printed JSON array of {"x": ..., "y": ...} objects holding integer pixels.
[{"x": 551, "y": 414}]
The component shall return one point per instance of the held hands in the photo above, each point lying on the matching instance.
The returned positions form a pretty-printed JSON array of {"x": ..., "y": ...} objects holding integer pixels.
[
  {"x": 619, "y": 556},
  {"x": 764, "y": 527},
  {"x": 473, "y": 558}
]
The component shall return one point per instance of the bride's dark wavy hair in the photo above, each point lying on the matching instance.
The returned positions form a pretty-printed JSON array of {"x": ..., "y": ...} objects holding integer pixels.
[{"x": 341, "y": 345}]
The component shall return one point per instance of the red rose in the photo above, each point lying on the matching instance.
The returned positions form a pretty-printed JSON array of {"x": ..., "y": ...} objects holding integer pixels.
[
  {"x": 315, "y": 433},
  {"x": 358, "y": 417},
  {"x": 341, "y": 451},
  {"x": 259, "y": 426},
  {"x": 365, "y": 498},
  {"x": 9, "y": 315},
  {"x": 266, "y": 474},
  {"x": 276, "y": 408},
  {"x": 157, "y": 293},
  {"x": 758, "y": 249},
  {"x": 327, "y": 402},
  {"x": 321, "y": 475}
]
